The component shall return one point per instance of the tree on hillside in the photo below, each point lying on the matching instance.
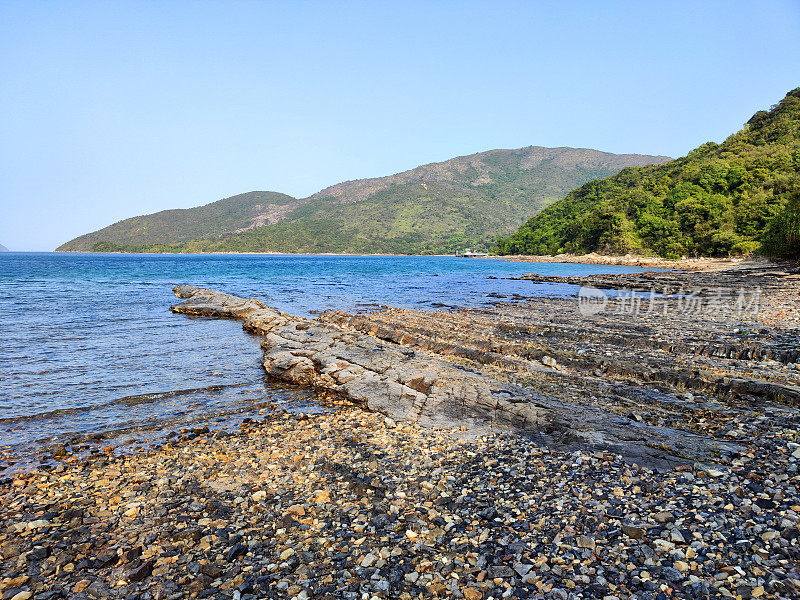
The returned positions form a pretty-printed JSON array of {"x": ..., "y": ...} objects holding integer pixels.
[{"x": 782, "y": 237}]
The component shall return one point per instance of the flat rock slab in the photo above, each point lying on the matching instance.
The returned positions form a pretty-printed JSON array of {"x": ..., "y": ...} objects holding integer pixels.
[{"x": 408, "y": 384}]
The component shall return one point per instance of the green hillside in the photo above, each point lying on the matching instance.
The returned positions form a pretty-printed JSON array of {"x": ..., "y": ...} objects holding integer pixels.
[
  {"x": 180, "y": 226},
  {"x": 438, "y": 208},
  {"x": 732, "y": 198}
]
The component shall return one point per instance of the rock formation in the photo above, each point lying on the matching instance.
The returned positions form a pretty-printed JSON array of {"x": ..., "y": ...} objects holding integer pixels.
[{"x": 406, "y": 383}]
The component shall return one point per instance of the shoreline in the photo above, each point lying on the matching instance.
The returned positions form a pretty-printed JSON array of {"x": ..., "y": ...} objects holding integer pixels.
[
  {"x": 631, "y": 260},
  {"x": 267, "y": 253},
  {"x": 623, "y": 454}
]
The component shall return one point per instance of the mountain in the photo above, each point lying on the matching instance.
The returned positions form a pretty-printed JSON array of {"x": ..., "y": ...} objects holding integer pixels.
[
  {"x": 437, "y": 208},
  {"x": 183, "y": 226},
  {"x": 732, "y": 198},
  {"x": 3, "y": 248}
]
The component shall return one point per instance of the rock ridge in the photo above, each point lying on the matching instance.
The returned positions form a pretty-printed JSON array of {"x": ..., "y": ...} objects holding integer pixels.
[{"x": 408, "y": 383}]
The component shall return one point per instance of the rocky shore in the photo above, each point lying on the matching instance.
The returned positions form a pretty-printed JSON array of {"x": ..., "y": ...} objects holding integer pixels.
[
  {"x": 630, "y": 446},
  {"x": 629, "y": 260}
]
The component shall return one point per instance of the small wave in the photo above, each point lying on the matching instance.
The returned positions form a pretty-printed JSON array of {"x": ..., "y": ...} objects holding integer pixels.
[{"x": 125, "y": 400}]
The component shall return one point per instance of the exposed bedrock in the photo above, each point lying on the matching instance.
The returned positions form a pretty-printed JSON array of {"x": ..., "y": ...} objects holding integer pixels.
[
  {"x": 490, "y": 348},
  {"x": 726, "y": 282},
  {"x": 406, "y": 383}
]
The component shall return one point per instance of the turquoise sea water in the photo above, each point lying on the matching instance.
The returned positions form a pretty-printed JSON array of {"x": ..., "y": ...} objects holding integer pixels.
[{"x": 89, "y": 345}]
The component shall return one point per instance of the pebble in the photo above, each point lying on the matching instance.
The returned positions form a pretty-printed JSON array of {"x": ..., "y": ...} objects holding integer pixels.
[
  {"x": 663, "y": 517},
  {"x": 472, "y": 593},
  {"x": 632, "y": 531},
  {"x": 586, "y": 542},
  {"x": 339, "y": 505}
]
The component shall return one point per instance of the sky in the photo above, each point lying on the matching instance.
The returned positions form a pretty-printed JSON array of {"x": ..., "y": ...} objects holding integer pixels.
[{"x": 114, "y": 109}]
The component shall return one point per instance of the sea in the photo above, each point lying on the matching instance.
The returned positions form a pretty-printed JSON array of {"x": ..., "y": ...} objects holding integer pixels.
[{"x": 89, "y": 348}]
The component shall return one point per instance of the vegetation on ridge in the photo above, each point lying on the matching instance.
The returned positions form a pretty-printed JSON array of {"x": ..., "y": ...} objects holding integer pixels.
[
  {"x": 721, "y": 199},
  {"x": 434, "y": 209},
  {"x": 181, "y": 226}
]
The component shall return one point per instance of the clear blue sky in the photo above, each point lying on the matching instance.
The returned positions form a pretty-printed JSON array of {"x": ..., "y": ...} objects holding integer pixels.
[{"x": 114, "y": 109}]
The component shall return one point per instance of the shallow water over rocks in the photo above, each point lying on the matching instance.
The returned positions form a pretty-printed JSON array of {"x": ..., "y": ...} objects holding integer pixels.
[{"x": 89, "y": 345}]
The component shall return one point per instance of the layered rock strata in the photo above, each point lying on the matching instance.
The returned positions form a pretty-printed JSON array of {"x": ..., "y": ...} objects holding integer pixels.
[{"x": 436, "y": 386}]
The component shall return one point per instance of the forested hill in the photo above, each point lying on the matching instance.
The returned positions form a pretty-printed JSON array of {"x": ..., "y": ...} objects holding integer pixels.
[
  {"x": 468, "y": 201},
  {"x": 732, "y": 198}
]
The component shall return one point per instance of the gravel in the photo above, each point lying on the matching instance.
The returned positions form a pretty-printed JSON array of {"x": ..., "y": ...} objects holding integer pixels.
[{"x": 345, "y": 505}]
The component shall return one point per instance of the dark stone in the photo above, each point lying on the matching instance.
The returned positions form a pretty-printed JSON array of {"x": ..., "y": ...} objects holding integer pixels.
[
  {"x": 502, "y": 571},
  {"x": 671, "y": 574},
  {"x": 105, "y": 560},
  {"x": 94, "y": 591},
  {"x": 235, "y": 552},
  {"x": 488, "y": 513},
  {"x": 381, "y": 521},
  {"x": 519, "y": 547},
  {"x": 39, "y": 553},
  {"x": 132, "y": 554},
  {"x": 211, "y": 570},
  {"x": 143, "y": 571}
]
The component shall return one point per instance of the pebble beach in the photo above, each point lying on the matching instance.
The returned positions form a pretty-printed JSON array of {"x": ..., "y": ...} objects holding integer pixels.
[{"x": 348, "y": 504}]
